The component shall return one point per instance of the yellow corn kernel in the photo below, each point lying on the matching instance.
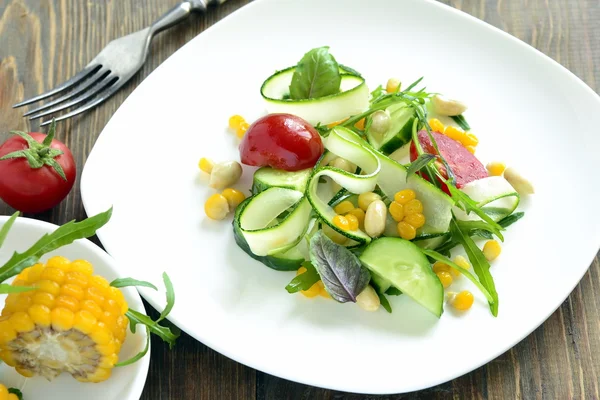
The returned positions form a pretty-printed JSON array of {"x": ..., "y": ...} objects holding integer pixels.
[
  {"x": 49, "y": 287},
  {"x": 53, "y": 274},
  {"x": 413, "y": 207},
  {"x": 439, "y": 266},
  {"x": 365, "y": 199},
  {"x": 344, "y": 207},
  {"x": 341, "y": 222},
  {"x": 360, "y": 125},
  {"x": 417, "y": 220},
  {"x": 216, "y": 207},
  {"x": 496, "y": 168},
  {"x": 100, "y": 283},
  {"x": 92, "y": 307},
  {"x": 454, "y": 133},
  {"x": 44, "y": 299},
  {"x": 84, "y": 322},
  {"x": 62, "y": 319},
  {"x": 21, "y": 322},
  {"x": 100, "y": 375},
  {"x": 462, "y": 262},
  {"x": 35, "y": 272},
  {"x": 235, "y": 121},
  {"x": 78, "y": 279},
  {"x": 470, "y": 149},
  {"x": 352, "y": 222},
  {"x": 393, "y": 85},
  {"x": 82, "y": 266},
  {"x": 7, "y": 332},
  {"x": 404, "y": 196},
  {"x": 94, "y": 294},
  {"x": 313, "y": 291},
  {"x": 234, "y": 197},
  {"x": 469, "y": 140},
  {"x": 360, "y": 216},
  {"x": 491, "y": 250},
  {"x": 436, "y": 125},
  {"x": 69, "y": 289},
  {"x": 68, "y": 302},
  {"x": 242, "y": 129},
  {"x": 205, "y": 165},
  {"x": 396, "y": 211},
  {"x": 58, "y": 262},
  {"x": 445, "y": 278},
  {"x": 406, "y": 230},
  {"x": 301, "y": 270},
  {"x": 463, "y": 300}
]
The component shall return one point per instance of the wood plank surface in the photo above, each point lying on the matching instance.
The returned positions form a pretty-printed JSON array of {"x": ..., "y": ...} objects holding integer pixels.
[{"x": 44, "y": 42}]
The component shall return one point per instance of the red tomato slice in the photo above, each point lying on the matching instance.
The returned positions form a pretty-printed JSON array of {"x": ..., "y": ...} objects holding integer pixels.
[{"x": 465, "y": 166}]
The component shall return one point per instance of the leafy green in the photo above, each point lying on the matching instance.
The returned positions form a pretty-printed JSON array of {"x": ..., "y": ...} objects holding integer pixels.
[
  {"x": 139, "y": 355},
  {"x": 378, "y": 92},
  {"x": 62, "y": 236},
  {"x": 421, "y": 162},
  {"x": 481, "y": 266},
  {"x": 163, "y": 332},
  {"x": 305, "y": 280},
  {"x": 468, "y": 205},
  {"x": 170, "y": 297},
  {"x": 393, "y": 291},
  {"x": 125, "y": 282},
  {"x": 6, "y": 227},
  {"x": 470, "y": 226},
  {"x": 316, "y": 75},
  {"x": 8, "y": 289},
  {"x": 17, "y": 392},
  {"x": 384, "y": 302},
  {"x": 350, "y": 70},
  {"x": 340, "y": 270},
  {"x": 462, "y": 122},
  {"x": 511, "y": 219}
]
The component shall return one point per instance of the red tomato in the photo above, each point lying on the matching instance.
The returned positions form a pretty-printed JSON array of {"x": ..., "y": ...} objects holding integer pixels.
[
  {"x": 281, "y": 141},
  {"x": 30, "y": 189},
  {"x": 465, "y": 166}
]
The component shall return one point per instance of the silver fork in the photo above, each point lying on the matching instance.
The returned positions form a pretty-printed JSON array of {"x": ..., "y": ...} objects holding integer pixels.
[{"x": 111, "y": 69}]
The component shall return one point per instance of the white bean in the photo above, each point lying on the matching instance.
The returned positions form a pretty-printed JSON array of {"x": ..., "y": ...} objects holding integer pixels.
[
  {"x": 520, "y": 183},
  {"x": 448, "y": 107},
  {"x": 368, "y": 299},
  {"x": 375, "y": 218},
  {"x": 225, "y": 174},
  {"x": 380, "y": 122}
]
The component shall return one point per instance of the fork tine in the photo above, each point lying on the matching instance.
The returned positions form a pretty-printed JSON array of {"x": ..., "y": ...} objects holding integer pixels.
[
  {"x": 94, "y": 78},
  {"x": 90, "y": 68},
  {"x": 100, "y": 86},
  {"x": 111, "y": 89}
]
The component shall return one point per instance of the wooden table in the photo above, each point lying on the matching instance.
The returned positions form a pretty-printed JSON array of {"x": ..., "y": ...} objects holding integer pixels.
[{"x": 44, "y": 42}]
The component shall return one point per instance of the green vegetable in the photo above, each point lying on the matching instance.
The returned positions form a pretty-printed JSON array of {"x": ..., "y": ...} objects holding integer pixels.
[
  {"x": 392, "y": 291},
  {"x": 125, "y": 282},
  {"x": 384, "y": 302},
  {"x": 6, "y": 227},
  {"x": 316, "y": 75},
  {"x": 421, "y": 162},
  {"x": 305, "y": 280},
  {"x": 17, "y": 392},
  {"x": 267, "y": 177},
  {"x": 464, "y": 202},
  {"x": 8, "y": 289},
  {"x": 62, "y": 236},
  {"x": 342, "y": 274},
  {"x": 462, "y": 122}
]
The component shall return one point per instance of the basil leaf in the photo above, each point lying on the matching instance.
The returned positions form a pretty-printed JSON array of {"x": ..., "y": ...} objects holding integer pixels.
[
  {"x": 384, "y": 302},
  {"x": 125, "y": 282},
  {"x": 6, "y": 227},
  {"x": 16, "y": 392},
  {"x": 62, "y": 236},
  {"x": 316, "y": 75},
  {"x": 462, "y": 122},
  {"x": 170, "y": 297},
  {"x": 305, "y": 280},
  {"x": 392, "y": 291},
  {"x": 340, "y": 270},
  {"x": 421, "y": 162},
  {"x": 5, "y": 288}
]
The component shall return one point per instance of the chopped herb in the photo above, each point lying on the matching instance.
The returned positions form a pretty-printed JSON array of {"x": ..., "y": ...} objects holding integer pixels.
[
  {"x": 305, "y": 280},
  {"x": 462, "y": 122}
]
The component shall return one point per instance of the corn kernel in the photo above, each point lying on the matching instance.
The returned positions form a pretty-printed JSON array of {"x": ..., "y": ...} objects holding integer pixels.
[
  {"x": 235, "y": 121},
  {"x": 205, "y": 165},
  {"x": 463, "y": 300},
  {"x": 413, "y": 207},
  {"x": 68, "y": 302},
  {"x": 454, "y": 133},
  {"x": 445, "y": 278},
  {"x": 313, "y": 291},
  {"x": 57, "y": 262},
  {"x": 21, "y": 322},
  {"x": 84, "y": 322},
  {"x": 216, "y": 207},
  {"x": 470, "y": 149},
  {"x": 344, "y": 207},
  {"x": 352, "y": 222},
  {"x": 365, "y": 199},
  {"x": 462, "y": 262},
  {"x": 393, "y": 85},
  {"x": 360, "y": 125},
  {"x": 436, "y": 125},
  {"x": 53, "y": 274},
  {"x": 341, "y": 222},
  {"x": 470, "y": 140},
  {"x": 406, "y": 230},
  {"x": 496, "y": 168},
  {"x": 360, "y": 216},
  {"x": 397, "y": 211},
  {"x": 439, "y": 266},
  {"x": 242, "y": 129},
  {"x": 404, "y": 196},
  {"x": 234, "y": 197},
  {"x": 62, "y": 319},
  {"x": 417, "y": 220},
  {"x": 82, "y": 266},
  {"x": 72, "y": 290},
  {"x": 49, "y": 287},
  {"x": 301, "y": 270},
  {"x": 491, "y": 250}
]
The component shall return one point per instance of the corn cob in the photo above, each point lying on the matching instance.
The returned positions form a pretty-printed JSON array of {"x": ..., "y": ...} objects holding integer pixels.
[
  {"x": 73, "y": 322},
  {"x": 5, "y": 395}
]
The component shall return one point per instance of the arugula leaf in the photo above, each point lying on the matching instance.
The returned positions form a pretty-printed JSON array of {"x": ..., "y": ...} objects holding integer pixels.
[
  {"x": 5, "y": 288},
  {"x": 421, "y": 162},
  {"x": 511, "y": 219},
  {"x": 62, "y": 236},
  {"x": 6, "y": 227},
  {"x": 377, "y": 93},
  {"x": 384, "y": 302},
  {"x": 139, "y": 355},
  {"x": 316, "y": 75},
  {"x": 305, "y": 280},
  {"x": 125, "y": 282},
  {"x": 16, "y": 392},
  {"x": 481, "y": 266},
  {"x": 462, "y": 122},
  {"x": 393, "y": 291},
  {"x": 163, "y": 332},
  {"x": 340, "y": 270},
  {"x": 467, "y": 204},
  {"x": 170, "y": 297},
  {"x": 471, "y": 226}
]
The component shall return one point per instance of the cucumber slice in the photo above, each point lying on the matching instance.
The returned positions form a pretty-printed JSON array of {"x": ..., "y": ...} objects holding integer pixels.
[
  {"x": 352, "y": 99},
  {"x": 380, "y": 282},
  {"x": 493, "y": 194},
  {"x": 406, "y": 267},
  {"x": 268, "y": 177},
  {"x": 402, "y": 117}
]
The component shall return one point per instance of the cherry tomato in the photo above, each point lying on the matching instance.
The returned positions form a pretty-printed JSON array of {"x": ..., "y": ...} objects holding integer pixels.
[
  {"x": 281, "y": 141},
  {"x": 39, "y": 186},
  {"x": 465, "y": 166}
]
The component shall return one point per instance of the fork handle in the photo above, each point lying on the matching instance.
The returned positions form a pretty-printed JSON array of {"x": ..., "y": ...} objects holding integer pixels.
[{"x": 181, "y": 12}]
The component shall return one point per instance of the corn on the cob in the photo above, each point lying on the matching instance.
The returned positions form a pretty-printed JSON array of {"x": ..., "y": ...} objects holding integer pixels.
[
  {"x": 72, "y": 322},
  {"x": 5, "y": 395}
]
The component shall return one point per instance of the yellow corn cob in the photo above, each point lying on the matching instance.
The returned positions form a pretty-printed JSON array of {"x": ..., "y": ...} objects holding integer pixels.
[
  {"x": 73, "y": 322},
  {"x": 4, "y": 395}
]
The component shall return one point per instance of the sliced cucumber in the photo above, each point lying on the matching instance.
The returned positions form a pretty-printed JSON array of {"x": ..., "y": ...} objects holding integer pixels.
[
  {"x": 268, "y": 177},
  {"x": 402, "y": 117},
  {"x": 403, "y": 264},
  {"x": 352, "y": 99},
  {"x": 380, "y": 282},
  {"x": 493, "y": 194}
]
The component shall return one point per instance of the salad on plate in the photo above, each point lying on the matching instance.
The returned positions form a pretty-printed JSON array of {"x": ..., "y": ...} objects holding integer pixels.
[{"x": 366, "y": 194}]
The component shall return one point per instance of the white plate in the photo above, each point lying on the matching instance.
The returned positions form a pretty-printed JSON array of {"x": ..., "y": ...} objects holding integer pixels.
[
  {"x": 526, "y": 110},
  {"x": 126, "y": 383}
]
